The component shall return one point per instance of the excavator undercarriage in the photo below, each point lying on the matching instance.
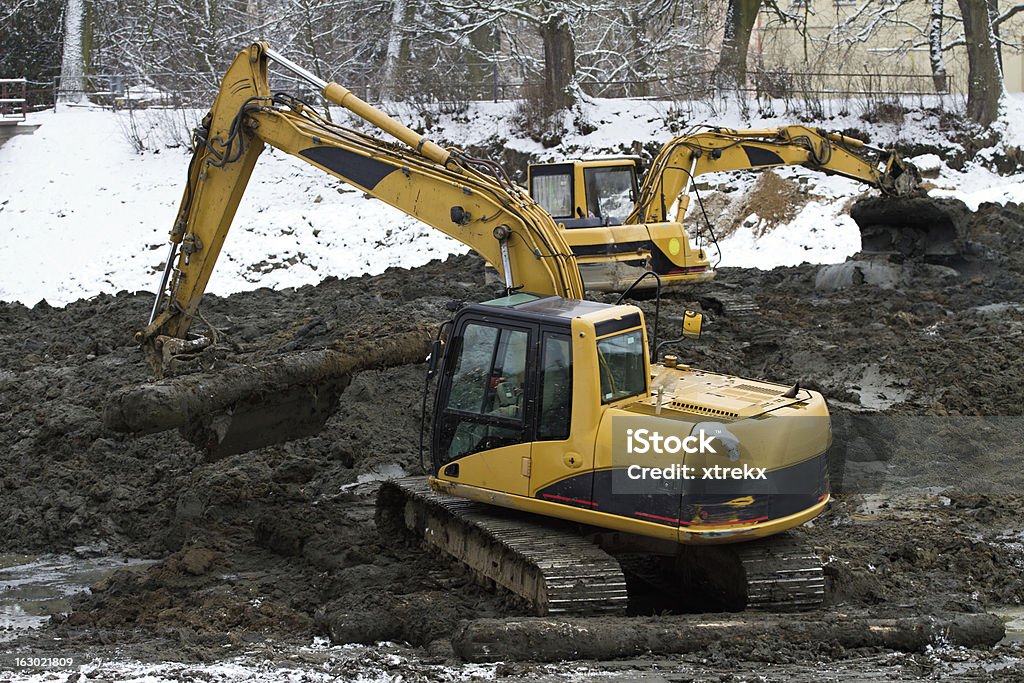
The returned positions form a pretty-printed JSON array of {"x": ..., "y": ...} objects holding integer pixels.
[{"x": 559, "y": 568}]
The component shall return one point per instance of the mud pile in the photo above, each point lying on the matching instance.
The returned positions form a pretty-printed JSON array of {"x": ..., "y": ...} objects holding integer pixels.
[{"x": 279, "y": 543}]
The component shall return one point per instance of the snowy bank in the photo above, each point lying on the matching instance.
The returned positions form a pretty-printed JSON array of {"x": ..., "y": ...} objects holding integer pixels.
[{"x": 81, "y": 212}]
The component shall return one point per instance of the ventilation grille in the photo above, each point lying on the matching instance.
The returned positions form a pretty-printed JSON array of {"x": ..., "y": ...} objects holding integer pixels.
[
  {"x": 759, "y": 390},
  {"x": 701, "y": 410}
]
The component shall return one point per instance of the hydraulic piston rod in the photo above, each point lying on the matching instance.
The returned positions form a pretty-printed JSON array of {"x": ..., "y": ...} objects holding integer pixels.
[{"x": 343, "y": 97}]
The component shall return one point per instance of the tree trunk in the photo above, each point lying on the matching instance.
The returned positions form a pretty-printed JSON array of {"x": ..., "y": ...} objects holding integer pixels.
[
  {"x": 481, "y": 72},
  {"x": 261, "y": 403},
  {"x": 993, "y": 17},
  {"x": 397, "y": 40},
  {"x": 72, "y": 67},
  {"x": 550, "y": 639},
  {"x": 739, "y": 24},
  {"x": 935, "y": 48},
  {"x": 559, "y": 62},
  {"x": 984, "y": 77},
  {"x": 641, "y": 65}
]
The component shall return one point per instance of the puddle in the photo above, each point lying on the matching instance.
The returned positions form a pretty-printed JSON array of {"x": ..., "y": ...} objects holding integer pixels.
[
  {"x": 379, "y": 473},
  {"x": 1013, "y": 618},
  {"x": 35, "y": 587},
  {"x": 878, "y": 390}
]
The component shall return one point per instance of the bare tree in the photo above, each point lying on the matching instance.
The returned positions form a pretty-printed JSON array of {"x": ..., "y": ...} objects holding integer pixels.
[
  {"x": 72, "y": 67},
  {"x": 740, "y": 17},
  {"x": 985, "y": 77},
  {"x": 397, "y": 54},
  {"x": 935, "y": 56},
  {"x": 556, "y": 23},
  {"x": 739, "y": 24}
]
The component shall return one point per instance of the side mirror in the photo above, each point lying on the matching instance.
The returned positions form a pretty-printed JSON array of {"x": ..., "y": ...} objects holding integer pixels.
[
  {"x": 692, "y": 323},
  {"x": 436, "y": 349}
]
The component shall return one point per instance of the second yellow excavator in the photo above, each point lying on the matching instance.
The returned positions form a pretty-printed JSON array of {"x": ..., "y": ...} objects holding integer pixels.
[
  {"x": 619, "y": 228},
  {"x": 567, "y": 460}
]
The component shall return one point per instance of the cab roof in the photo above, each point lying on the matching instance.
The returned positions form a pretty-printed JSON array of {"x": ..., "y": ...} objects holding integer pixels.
[{"x": 606, "y": 318}]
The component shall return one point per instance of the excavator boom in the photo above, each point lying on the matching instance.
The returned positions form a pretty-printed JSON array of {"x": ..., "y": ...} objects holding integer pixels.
[
  {"x": 724, "y": 149},
  {"x": 465, "y": 198}
]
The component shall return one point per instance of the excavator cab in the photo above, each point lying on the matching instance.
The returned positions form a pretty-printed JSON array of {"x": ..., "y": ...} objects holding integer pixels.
[
  {"x": 525, "y": 375},
  {"x": 591, "y": 201},
  {"x": 586, "y": 194}
]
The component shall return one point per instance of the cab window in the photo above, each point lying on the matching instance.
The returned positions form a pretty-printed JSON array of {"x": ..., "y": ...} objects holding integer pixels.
[
  {"x": 555, "y": 388},
  {"x": 610, "y": 193},
  {"x": 553, "y": 191},
  {"x": 484, "y": 408},
  {"x": 621, "y": 366}
]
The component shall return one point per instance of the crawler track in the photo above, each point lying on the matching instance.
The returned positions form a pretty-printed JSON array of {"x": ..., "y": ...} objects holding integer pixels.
[
  {"x": 554, "y": 570},
  {"x": 783, "y": 574}
]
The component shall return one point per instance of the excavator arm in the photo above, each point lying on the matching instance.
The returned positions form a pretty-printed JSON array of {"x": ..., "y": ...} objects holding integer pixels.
[
  {"x": 724, "y": 149},
  {"x": 468, "y": 199}
]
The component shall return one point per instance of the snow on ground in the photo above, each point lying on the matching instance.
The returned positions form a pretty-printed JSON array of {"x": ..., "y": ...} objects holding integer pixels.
[{"x": 82, "y": 213}]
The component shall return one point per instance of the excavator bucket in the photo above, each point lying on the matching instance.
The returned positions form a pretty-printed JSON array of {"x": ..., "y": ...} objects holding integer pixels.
[{"x": 920, "y": 228}]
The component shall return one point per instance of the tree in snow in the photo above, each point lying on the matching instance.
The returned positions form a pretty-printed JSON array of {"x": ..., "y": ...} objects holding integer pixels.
[
  {"x": 72, "y": 67},
  {"x": 941, "y": 30},
  {"x": 935, "y": 56},
  {"x": 985, "y": 77},
  {"x": 740, "y": 17},
  {"x": 555, "y": 23},
  {"x": 31, "y": 39},
  {"x": 397, "y": 54}
]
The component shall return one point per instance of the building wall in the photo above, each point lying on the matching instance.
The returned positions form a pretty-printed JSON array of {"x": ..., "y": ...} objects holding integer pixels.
[{"x": 888, "y": 38}]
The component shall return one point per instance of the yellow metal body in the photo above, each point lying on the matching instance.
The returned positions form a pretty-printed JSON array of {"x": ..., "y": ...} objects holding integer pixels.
[
  {"x": 787, "y": 435},
  {"x": 660, "y": 238},
  {"x": 724, "y": 149},
  {"x": 612, "y": 254}
]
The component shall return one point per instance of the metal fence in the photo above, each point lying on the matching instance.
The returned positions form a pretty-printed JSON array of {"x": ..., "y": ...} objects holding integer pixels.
[
  {"x": 198, "y": 89},
  {"x": 13, "y": 102}
]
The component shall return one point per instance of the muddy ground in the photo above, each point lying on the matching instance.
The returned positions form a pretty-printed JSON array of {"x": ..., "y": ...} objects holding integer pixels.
[{"x": 258, "y": 554}]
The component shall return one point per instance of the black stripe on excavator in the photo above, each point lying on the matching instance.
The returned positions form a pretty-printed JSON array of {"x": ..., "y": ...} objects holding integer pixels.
[
  {"x": 362, "y": 171},
  {"x": 632, "y": 263},
  {"x": 695, "y": 502},
  {"x": 626, "y": 322},
  {"x": 759, "y": 156},
  {"x": 614, "y": 248}
]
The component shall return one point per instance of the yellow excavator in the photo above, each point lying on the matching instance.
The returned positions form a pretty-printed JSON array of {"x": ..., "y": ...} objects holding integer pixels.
[
  {"x": 568, "y": 462},
  {"x": 619, "y": 228}
]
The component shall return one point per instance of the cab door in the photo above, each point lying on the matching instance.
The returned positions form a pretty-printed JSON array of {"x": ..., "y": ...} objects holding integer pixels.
[
  {"x": 562, "y": 462},
  {"x": 484, "y": 407}
]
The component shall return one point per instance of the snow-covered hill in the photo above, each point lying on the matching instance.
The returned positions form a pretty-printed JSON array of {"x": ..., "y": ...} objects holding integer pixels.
[{"x": 81, "y": 212}]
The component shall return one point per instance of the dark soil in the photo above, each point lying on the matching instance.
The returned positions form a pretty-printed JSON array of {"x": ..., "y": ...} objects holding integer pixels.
[{"x": 279, "y": 544}]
